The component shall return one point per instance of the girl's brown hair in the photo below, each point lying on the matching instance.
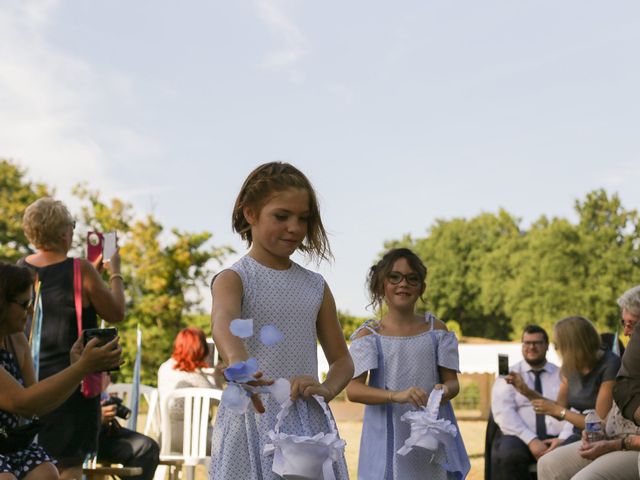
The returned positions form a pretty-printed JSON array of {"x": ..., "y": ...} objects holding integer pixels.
[
  {"x": 377, "y": 273},
  {"x": 577, "y": 341},
  {"x": 261, "y": 185}
]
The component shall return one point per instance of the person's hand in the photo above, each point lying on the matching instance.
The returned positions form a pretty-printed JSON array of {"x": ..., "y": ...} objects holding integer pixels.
[
  {"x": 516, "y": 380},
  {"x": 218, "y": 374},
  {"x": 444, "y": 388},
  {"x": 76, "y": 350},
  {"x": 552, "y": 443},
  {"x": 255, "y": 397},
  {"x": 538, "y": 448},
  {"x": 544, "y": 406},
  {"x": 97, "y": 263},
  {"x": 98, "y": 358},
  {"x": 305, "y": 386},
  {"x": 108, "y": 413},
  {"x": 113, "y": 264},
  {"x": 413, "y": 395},
  {"x": 591, "y": 451}
]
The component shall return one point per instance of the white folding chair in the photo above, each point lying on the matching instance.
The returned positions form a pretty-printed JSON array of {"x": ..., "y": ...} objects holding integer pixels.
[
  {"x": 195, "y": 427},
  {"x": 150, "y": 394}
]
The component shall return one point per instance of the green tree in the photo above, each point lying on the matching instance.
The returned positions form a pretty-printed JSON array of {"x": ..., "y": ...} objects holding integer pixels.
[
  {"x": 610, "y": 245},
  {"x": 164, "y": 275},
  {"x": 465, "y": 261},
  {"x": 349, "y": 323},
  {"x": 16, "y": 193}
]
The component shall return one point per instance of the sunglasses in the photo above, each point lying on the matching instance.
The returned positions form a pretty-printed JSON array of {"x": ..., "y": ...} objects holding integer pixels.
[
  {"x": 26, "y": 305},
  {"x": 395, "y": 278}
]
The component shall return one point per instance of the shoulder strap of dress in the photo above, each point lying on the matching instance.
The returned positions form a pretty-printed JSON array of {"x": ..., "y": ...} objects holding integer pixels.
[
  {"x": 431, "y": 318},
  {"x": 365, "y": 326}
]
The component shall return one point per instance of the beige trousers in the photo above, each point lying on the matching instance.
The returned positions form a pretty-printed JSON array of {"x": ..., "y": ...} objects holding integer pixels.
[{"x": 565, "y": 463}]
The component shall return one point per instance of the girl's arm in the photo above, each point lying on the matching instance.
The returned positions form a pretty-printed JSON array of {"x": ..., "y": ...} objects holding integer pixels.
[
  {"x": 450, "y": 383},
  {"x": 335, "y": 349},
  {"x": 358, "y": 391},
  {"x": 227, "y": 306},
  {"x": 448, "y": 377},
  {"x": 42, "y": 397}
]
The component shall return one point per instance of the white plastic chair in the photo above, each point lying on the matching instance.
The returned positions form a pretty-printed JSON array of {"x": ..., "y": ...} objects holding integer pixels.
[
  {"x": 195, "y": 425},
  {"x": 150, "y": 394}
]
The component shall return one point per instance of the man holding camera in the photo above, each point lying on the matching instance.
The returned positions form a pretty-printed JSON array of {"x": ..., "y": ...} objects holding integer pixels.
[
  {"x": 524, "y": 436},
  {"x": 121, "y": 445}
]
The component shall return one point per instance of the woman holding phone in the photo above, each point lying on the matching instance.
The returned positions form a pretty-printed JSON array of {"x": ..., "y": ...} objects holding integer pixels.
[
  {"x": 70, "y": 432},
  {"x": 20, "y": 395}
]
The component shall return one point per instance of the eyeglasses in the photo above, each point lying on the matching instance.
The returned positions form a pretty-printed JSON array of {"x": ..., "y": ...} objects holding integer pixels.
[
  {"x": 26, "y": 305},
  {"x": 396, "y": 277},
  {"x": 537, "y": 343}
]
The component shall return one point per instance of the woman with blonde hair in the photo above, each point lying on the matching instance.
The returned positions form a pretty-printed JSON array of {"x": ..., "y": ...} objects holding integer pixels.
[
  {"x": 588, "y": 373},
  {"x": 70, "y": 432}
]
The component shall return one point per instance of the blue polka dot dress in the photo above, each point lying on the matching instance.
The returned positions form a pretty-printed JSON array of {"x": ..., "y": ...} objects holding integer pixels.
[
  {"x": 290, "y": 300},
  {"x": 18, "y": 463},
  {"x": 406, "y": 362}
]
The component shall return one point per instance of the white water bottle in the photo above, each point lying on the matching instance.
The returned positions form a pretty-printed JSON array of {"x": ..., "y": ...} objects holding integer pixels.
[{"x": 593, "y": 426}]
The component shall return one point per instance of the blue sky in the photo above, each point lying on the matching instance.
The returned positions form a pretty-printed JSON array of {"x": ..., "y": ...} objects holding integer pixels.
[{"x": 399, "y": 112}]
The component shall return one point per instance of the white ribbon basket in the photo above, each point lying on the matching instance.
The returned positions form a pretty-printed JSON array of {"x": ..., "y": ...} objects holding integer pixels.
[{"x": 303, "y": 457}]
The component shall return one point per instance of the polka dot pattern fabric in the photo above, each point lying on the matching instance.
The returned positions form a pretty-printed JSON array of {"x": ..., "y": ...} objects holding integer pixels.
[
  {"x": 18, "y": 463},
  {"x": 408, "y": 362},
  {"x": 290, "y": 300}
]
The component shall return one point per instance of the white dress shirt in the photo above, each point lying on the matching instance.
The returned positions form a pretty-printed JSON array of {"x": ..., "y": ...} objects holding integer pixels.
[{"x": 514, "y": 413}]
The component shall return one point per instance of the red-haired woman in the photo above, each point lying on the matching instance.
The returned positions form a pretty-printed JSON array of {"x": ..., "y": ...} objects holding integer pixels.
[{"x": 184, "y": 370}]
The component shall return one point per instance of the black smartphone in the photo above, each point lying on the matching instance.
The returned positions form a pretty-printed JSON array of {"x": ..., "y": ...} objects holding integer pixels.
[
  {"x": 503, "y": 364},
  {"x": 104, "y": 335}
]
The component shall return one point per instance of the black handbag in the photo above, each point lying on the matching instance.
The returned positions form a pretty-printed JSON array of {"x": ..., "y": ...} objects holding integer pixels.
[{"x": 19, "y": 438}]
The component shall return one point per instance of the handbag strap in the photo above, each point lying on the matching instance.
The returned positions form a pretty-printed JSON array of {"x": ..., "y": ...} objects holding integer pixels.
[{"x": 77, "y": 293}]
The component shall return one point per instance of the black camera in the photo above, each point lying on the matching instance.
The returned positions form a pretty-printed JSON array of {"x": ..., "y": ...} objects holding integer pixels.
[{"x": 121, "y": 411}]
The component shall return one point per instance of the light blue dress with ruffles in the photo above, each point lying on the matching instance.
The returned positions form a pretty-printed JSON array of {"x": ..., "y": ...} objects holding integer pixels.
[
  {"x": 397, "y": 363},
  {"x": 290, "y": 300}
]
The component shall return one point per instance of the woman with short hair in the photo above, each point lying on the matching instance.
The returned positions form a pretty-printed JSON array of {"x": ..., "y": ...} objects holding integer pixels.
[
  {"x": 184, "y": 370},
  {"x": 70, "y": 432}
]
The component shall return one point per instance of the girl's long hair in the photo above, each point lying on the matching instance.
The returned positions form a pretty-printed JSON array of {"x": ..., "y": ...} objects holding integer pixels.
[{"x": 267, "y": 180}]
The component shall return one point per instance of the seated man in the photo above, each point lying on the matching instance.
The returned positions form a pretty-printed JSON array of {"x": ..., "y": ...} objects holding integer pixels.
[
  {"x": 117, "y": 444},
  {"x": 525, "y": 436}
]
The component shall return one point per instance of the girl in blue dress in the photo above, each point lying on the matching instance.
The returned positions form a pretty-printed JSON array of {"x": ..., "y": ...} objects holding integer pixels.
[
  {"x": 405, "y": 356},
  {"x": 276, "y": 213}
]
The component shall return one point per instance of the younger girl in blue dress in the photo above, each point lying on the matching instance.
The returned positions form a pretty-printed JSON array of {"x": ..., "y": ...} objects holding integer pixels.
[
  {"x": 405, "y": 356},
  {"x": 277, "y": 213}
]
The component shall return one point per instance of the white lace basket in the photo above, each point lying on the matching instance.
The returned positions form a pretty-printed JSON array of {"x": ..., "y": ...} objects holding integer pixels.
[{"x": 304, "y": 457}]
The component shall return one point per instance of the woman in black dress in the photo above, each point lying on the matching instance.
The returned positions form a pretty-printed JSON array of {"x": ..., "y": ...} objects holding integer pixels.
[{"x": 70, "y": 432}]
